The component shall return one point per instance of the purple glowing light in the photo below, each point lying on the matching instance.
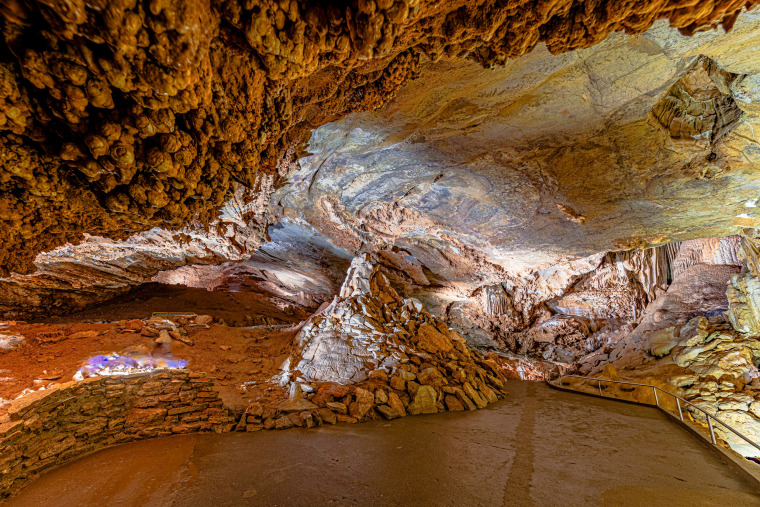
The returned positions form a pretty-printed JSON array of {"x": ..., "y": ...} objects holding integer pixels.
[{"x": 115, "y": 364}]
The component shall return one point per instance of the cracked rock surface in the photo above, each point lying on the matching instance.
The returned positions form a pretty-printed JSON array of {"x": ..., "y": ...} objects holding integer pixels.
[{"x": 120, "y": 116}]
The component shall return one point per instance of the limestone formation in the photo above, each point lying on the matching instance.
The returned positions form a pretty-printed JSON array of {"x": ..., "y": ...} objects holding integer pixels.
[
  {"x": 371, "y": 353},
  {"x": 72, "y": 277},
  {"x": 433, "y": 196},
  {"x": 697, "y": 340},
  {"x": 120, "y": 117}
]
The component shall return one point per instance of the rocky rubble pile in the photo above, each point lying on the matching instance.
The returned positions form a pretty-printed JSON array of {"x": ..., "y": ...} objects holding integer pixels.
[
  {"x": 172, "y": 327},
  {"x": 372, "y": 354}
]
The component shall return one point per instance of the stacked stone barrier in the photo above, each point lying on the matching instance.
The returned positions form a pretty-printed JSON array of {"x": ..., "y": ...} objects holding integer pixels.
[{"x": 47, "y": 428}]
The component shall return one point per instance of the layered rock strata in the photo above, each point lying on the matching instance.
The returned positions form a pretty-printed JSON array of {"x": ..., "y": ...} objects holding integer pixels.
[{"x": 121, "y": 116}]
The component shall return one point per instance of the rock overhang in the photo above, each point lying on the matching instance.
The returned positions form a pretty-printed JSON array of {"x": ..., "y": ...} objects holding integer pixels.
[
  {"x": 549, "y": 157},
  {"x": 127, "y": 116}
]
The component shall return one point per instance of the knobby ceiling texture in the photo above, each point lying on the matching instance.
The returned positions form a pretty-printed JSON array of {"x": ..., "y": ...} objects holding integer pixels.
[{"x": 117, "y": 116}]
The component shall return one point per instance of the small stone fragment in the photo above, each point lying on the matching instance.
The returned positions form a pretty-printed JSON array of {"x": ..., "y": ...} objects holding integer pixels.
[
  {"x": 327, "y": 415},
  {"x": 396, "y": 404},
  {"x": 387, "y": 412},
  {"x": 337, "y": 407},
  {"x": 453, "y": 404}
]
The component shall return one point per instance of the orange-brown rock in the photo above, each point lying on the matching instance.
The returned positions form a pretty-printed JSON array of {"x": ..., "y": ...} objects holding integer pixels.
[{"x": 120, "y": 116}]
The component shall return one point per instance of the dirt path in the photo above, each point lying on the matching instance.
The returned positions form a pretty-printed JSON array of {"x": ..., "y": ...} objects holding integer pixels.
[{"x": 539, "y": 446}]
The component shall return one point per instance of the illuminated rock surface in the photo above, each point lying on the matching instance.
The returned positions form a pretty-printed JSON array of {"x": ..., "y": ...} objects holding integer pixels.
[
  {"x": 378, "y": 210},
  {"x": 120, "y": 117}
]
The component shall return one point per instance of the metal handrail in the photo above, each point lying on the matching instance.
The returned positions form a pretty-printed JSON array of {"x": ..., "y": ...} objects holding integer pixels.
[{"x": 678, "y": 404}]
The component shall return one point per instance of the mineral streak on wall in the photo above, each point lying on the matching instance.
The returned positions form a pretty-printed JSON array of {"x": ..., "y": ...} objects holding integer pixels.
[{"x": 119, "y": 116}]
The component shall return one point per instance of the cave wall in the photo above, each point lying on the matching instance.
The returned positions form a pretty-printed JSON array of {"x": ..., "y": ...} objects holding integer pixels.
[
  {"x": 466, "y": 179},
  {"x": 117, "y": 117},
  {"x": 628, "y": 144}
]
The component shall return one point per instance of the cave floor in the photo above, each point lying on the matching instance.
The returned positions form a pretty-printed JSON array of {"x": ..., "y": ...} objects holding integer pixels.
[{"x": 537, "y": 447}]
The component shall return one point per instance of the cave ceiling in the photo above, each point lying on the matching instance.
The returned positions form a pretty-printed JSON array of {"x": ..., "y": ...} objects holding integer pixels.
[
  {"x": 635, "y": 142},
  {"x": 118, "y": 117}
]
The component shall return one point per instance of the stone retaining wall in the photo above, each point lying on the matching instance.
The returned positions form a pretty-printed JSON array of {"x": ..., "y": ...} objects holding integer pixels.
[{"x": 47, "y": 428}]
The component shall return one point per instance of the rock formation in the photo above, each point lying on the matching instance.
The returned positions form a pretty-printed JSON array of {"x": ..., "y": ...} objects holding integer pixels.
[
  {"x": 433, "y": 196},
  {"x": 72, "y": 277},
  {"x": 370, "y": 338},
  {"x": 121, "y": 116},
  {"x": 697, "y": 340}
]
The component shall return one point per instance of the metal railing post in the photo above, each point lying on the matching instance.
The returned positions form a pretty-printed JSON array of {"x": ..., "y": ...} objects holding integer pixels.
[
  {"x": 680, "y": 413},
  {"x": 599, "y": 382},
  {"x": 656, "y": 401},
  {"x": 709, "y": 425}
]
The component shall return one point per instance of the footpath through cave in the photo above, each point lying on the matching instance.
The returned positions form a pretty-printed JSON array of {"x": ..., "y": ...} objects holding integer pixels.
[{"x": 538, "y": 446}]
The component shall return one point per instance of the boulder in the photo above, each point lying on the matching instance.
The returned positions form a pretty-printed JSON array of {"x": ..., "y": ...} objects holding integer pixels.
[
  {"x": 296, "y": 405},
  {"x": 387, "y": 412},
  {"x": 203, "y": 320},
  {"x": 283, "y": 422},
  {"x": 338, "y": 391},
  {"x": 412, "y": 388},
  {"x": 135, "y": 325},
  {"x": 337, "y": 407},
  {"x": 327, "y": 416},
  {"x": 398, "y": 383},
  {"x": 474, "y": 395},
  {"x": 346, "y": 418},
  {"x": 432, "y": 377},
  {"x": 488, "y": 394},
  {"x": 396, "y": 404},
  {"x": 424, "y": 401},
  {"x": 365, "y": 400},
  {"x": 453, "y": 404},
  {"x": 255, "y": 409},
  {"x": 149, "y": 331},
  {"x": 432, "y": 340},
  {"x": 307, "y": 420}
]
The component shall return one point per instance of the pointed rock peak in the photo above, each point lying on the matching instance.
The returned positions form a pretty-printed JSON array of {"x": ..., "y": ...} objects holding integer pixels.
[{"x": 364, "y": 277}]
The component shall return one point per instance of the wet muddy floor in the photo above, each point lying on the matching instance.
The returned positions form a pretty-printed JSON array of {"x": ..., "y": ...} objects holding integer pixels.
[{"x": 538, "y": 447}]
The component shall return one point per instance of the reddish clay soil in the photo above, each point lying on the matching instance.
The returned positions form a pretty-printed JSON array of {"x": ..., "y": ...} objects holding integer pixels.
[
  {"x": 234, "y": 356},
  {"x": 230, "y": 307}
]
